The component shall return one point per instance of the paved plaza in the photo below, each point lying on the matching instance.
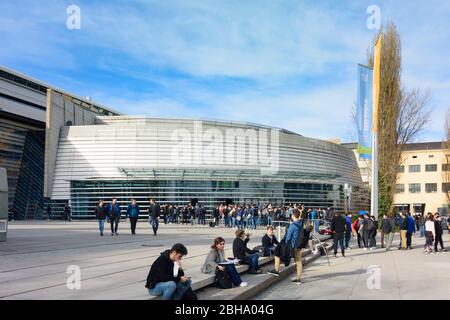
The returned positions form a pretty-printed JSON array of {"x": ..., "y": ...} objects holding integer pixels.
[
  {"x": 407, "y": 275},
  {"x": 35, "y": 259}
]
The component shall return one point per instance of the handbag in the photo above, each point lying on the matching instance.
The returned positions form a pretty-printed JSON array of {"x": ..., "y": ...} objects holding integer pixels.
[{"x": 223, "y": 280}]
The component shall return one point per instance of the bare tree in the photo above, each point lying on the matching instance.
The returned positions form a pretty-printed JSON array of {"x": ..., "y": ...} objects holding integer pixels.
[{"x": 402, "y": 115}]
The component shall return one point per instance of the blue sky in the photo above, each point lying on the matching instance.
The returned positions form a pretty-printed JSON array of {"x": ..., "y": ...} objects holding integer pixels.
[{"x": 290, "y": 64}]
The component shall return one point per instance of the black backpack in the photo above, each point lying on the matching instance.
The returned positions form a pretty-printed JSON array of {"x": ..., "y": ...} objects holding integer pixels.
[
  {"x": 223, "y": 280},
  {"x": 303, "y": 238}
]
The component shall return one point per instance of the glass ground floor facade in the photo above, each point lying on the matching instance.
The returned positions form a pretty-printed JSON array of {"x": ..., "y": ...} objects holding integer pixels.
[
  {"x": 84, "y": 195},
  {"x": 22, "y": 149}
]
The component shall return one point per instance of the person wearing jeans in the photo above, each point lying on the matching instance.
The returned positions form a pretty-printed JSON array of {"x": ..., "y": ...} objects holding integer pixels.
[
  {"x": 170, "y": 290},
  {"x": 348, "y": 230},
  {"x": 216, "y": 260},
  {"x": 338, "y": 227},
  {"x": 100, "y": 214},
  {"x": 154, "y": 212},
  {"x": 166, "y": 277},
  {"x": 133, "y": 213},
  {"x": 244, "y": 254},
  {"x": 114, "y": 212}
]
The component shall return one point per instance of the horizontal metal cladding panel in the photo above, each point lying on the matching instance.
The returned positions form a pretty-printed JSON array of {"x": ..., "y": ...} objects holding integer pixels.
[
  {"x": 108, "y": 147},
  {"x": 23, "y": 93}
]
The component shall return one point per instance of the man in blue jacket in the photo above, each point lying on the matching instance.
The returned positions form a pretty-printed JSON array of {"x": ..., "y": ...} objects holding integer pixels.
[
  {"x": 411, "y": 229},
  {"x": 133, "y": 213},
  {"x": 292, "y": 235},
  {"x": 114, "y": 216}
]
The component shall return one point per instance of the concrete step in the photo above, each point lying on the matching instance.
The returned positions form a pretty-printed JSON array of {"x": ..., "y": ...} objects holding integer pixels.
[{"x": 256, "y": 283}]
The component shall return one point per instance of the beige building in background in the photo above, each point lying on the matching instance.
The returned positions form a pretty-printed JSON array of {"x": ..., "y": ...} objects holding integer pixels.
[{"x": 421, "y": 183}]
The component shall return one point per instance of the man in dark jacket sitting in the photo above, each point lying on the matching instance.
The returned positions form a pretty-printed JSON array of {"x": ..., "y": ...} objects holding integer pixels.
[
  {"x": 244, "y": 254},
  {"x": 269, "y": 242},
  {"x": 338, "y": 227},
  {"x": 166, "y": 277}
]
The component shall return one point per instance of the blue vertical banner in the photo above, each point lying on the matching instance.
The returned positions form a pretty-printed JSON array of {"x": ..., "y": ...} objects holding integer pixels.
[{"x": 364, "y": 109}]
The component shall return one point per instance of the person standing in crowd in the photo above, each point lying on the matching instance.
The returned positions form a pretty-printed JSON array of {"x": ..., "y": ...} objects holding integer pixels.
[
  {"x": 410, "y": 230},
  {"x": 439, "y": 231},
  {"x": 404, "y": 222},
  {"x": 114, "y": 212},
  {"x": 154, "y": 213},
  {"x": 421, "y": 223},
  {"x": 291, "y": 237},
  {"x": 166, "y": 277},
  {"x": 198, "y": 213},
  {"x": 133, "y": 213},
  {"x": 256, "y": 218},
  {"x": 355, "y": 229},
  {"x": 100, "y": 214},
  {"x": 430, "y": 234},
  {"x": 244, "y": 254},
  {"x": 388, "y": 228},
  {"x": 338, "y": 227},
  {"x": 216, "y": 256},
  {"x": 348, "y": 230},
  {"x": 165, "y": 213},
  {"x": 373, "y": 227},
  {"x": 216, "y": 214},
  {"x": 67, "y": 213},
  {"x": 364, "y": 231},
  {"x": 226, "y": 216},
  {"x": 317, "y": 221},
  {"x": 269, "y": 242},
  {"x": 330, "y": 214}
]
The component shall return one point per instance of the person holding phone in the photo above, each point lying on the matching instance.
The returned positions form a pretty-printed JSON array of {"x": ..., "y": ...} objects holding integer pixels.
[
  {"x": 166, "y": 277},
  {"x": 244, "y": 254}
]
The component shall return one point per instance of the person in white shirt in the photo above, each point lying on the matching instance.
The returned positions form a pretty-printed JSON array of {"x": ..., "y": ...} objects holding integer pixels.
[{"x": 430, "y": 234}]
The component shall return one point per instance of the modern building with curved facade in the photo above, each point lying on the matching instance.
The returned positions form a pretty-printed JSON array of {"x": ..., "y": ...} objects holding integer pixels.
[{"x": 177, "y": 161}]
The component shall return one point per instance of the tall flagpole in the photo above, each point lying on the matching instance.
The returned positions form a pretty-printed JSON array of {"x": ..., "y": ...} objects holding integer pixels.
[{"x": 376, "y": 94}]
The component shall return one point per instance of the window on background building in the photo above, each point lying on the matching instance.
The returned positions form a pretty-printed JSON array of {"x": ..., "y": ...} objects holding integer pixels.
[
  {"x": 414, "y": 157},
  {"x": 399, "y": 188},
  {"x": 401, "y": 169},
  {"x": 446, "y": 187},
  {"x": 430, "y": 167},
  {"x": 446, "y": 167},
  {"x": 414, "y": 187},
  {"x": 430, "y": 187},
  {"x": 414, "y": 168},
  {"x": 431, "y": 156}
]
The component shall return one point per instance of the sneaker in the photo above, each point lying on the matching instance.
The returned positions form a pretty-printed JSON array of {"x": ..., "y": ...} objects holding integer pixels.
[
  {"x": 364, "y": 248},
  {"x": 274, "y": 272},
  {"x": 334, "y": 256},
  {"x": 444, "y": 250},
  {"x": 297, "y": 281},
  {"x": 112, "y": 233},
  {"x": 343, "y": 255},
  {"x": 348, "y": 248},
  {"x": 101, "y": 234},
  {"x": 243, "y": 284},
  {"x": 117, "y": 234}
]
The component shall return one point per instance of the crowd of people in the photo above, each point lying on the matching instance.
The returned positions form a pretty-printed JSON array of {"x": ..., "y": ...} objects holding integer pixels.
[{"x": 240, "y": 216}]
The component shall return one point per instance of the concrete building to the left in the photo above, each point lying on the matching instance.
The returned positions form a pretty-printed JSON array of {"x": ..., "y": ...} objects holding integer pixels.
[{"x": 31, "y": 116}]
